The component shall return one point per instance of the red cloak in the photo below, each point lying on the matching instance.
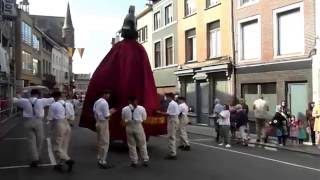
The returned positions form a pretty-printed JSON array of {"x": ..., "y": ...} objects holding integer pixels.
[{"x": 125, "y": 71}]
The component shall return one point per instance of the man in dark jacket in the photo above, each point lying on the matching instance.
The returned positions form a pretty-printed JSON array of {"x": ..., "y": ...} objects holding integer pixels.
[{"x": 242, "y": 124}]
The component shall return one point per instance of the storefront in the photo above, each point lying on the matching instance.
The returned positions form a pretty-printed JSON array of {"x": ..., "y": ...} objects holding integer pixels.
[
  {"x": 201, "y": 85},
  {"x": 290, "y": 82}
]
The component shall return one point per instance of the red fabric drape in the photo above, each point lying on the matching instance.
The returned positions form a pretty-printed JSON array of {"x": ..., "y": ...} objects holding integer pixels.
[{"x": 125, "y": 71}]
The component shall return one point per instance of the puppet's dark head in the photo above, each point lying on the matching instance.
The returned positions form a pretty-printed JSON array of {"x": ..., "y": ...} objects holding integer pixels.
[{"x": 129, "y": 28}]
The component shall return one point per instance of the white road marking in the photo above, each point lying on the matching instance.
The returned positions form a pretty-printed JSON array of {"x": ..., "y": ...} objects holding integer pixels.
[
  {"x": 15, "y": 139},
  {"x": 51, "y": 156},
  {"x": 270, "y": 149},
  {"x": 251, "y": 145},
  {"x": 207, "y": 139},
  {"x": 23, "y": 166},
  {"x": 256, "y": 156}
]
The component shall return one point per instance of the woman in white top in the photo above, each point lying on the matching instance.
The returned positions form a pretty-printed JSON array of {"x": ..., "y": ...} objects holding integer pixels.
[{"x": 224, "y": 123}]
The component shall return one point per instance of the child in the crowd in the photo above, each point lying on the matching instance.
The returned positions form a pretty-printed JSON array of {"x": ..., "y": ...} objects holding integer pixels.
[
  {"x": 294, "y": 129},
  {"x": 302, "y": 132}
]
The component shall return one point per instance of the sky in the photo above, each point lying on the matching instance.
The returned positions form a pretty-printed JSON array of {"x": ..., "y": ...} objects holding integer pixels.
[{"x": 95, "y": 21}]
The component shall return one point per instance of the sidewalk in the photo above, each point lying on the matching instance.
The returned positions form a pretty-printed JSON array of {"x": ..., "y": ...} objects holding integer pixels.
[{"x": 306, "y": 148}]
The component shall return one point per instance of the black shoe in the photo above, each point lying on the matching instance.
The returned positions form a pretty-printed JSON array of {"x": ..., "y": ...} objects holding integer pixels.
[
  {"x": 181, "y": 147},
  {"x": 70, "y": 164},
  {"x": 170, "y": 157},
  {"x": 187, "y": 148},
  {"x": 34, "y": 164},
  {"x": 105, "y": 166},
  {"x": 145, "y": 164},
  {"x": 133, "y": 165},
  {"x": 58, "y": 167}
]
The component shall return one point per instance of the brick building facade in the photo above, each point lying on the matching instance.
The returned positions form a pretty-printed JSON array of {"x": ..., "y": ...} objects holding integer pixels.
[{"x": 273, "y": 45}]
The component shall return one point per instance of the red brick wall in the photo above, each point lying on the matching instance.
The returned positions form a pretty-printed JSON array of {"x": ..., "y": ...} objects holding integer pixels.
[{"x": 265, "y": 8}]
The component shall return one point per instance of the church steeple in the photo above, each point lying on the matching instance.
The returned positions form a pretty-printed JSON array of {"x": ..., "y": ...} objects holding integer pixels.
[
  {"x": 68, "y": 20},
  {"x": 68, "y": 30}
]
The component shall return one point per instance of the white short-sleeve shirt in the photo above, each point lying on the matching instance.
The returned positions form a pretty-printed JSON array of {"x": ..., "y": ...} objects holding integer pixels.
[
  {"x": 183, "y": 108},
  {"x": 101, "y": 109},
  {"x": 225, "y": 118},
  {"x": 61, "y": 110},
  {"x": 260, "y": 108},
  {"x": 173, "y": 108},
  {"x": 33, "y": 107},
  {"x": 129, "y": 113}
]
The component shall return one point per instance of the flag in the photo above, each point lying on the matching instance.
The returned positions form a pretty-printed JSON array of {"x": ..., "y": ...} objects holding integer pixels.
[
  {"x": 70, "y": 52},
  {"x": 81, "y": 51}
]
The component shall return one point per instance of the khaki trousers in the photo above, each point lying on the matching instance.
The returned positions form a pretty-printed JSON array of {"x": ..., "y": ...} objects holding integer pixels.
[
  {"x": 61, "y": 140},
  {"x": 136, "y": 138},
  {"x": 260, "y": 127},
  {"x": 35, "y": 135},
  {"x": 103, "y": 139},
  {"x": 182, "y": 130},
  {"x": 172, "y": 126}
]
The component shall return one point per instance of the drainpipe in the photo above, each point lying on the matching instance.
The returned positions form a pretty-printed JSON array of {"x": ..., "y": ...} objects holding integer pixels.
[
  {"x": 233, "y": 54},
  {"x": 316, "y": 56}
]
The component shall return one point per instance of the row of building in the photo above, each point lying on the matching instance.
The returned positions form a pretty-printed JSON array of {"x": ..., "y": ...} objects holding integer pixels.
[
  {"x": 228, "y": 49},
  {"x": 34, "y": 50}
]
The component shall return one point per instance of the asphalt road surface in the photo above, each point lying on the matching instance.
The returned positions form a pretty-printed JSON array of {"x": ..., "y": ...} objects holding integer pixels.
[{"x": 206, "y": 161}]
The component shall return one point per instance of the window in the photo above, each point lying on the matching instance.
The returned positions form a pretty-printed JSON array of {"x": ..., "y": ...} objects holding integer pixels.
[
  {"x": 157, "y": 20},
  {"x": 190, "y": 7},
  {"x": 247, "y": 2},
  {"x": 27, "y": 63},
  {"x": 191, "y": 45},
  {"x": 251, "y": 92},
  {"x": 169, "y": 51},
  {"x": 289, "y": 36},
  {"x": 143, "y": 34},
  {"x": 211, "y": 3},
  {"x": 26, "y": 33},
  {"x": 214, "y": 39},
  {"x": 35, "y": 70},
  {"x": 168, "y": 14},
  {"x": 250, "y": 40},
  {"x": 157, "y": 55},
  {"x": 35, "y": 42}
]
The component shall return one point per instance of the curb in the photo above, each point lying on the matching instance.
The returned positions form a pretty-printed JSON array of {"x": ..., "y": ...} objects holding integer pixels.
[
  {"x": 270, "y": 145},
  {"x": 285, "y": 148}
]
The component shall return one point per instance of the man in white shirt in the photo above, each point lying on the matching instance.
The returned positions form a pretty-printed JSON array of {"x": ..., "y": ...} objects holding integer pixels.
[
  {"x": 172, "y": 125},
  {"x": 183, "y": 122},
  {"x": 218, "y": 108},
  {"x": 33, "y": 114},
  {"x": 133, "y": 116},
  {"x": 71, "y": 109},
  {"x": 224, "y": 123},
  {"x": 102, "y": 115},
  {"x": 261, "y": 109},
  {"x": 59, "y": 114}
]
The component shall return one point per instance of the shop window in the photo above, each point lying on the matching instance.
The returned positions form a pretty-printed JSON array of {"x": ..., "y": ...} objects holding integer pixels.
[
  {"x": 251, "y": 92},
  {"x": 191, "y": 96}
]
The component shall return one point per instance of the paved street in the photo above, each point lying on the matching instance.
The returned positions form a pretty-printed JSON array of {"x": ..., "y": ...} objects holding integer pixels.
[{"x": 205, "y": 161}]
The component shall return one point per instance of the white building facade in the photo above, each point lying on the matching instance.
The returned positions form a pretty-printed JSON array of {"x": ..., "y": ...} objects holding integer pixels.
[
  {"x": 316, "y": 58},
  {"x": 144, "y": 27},
  {"x": 60, "y": 67}
]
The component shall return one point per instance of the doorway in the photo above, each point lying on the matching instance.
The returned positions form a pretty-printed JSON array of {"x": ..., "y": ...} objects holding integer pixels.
[
  {"x": 298, "y": 99},
  {"x": 203, "y": 103}
]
